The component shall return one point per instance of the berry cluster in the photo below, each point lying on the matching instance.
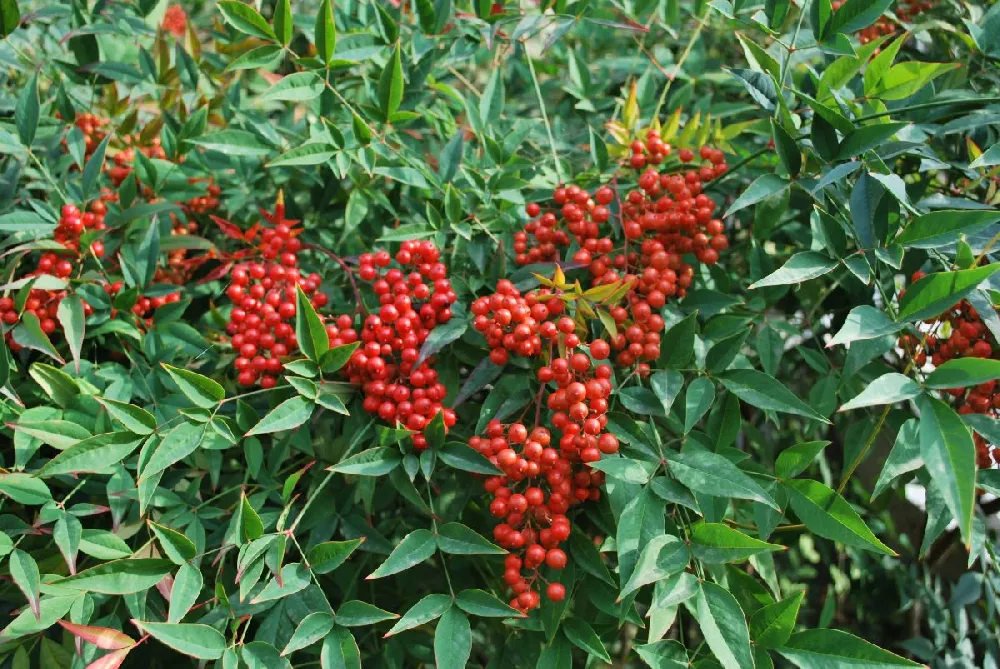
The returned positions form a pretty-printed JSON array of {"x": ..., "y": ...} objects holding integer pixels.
[
  {"x": 665, "y": 218},
  {"x": 543, "y": 473},
  {"x": 264, "y": 293},
  {"x": 414, "y": 298},
  {"x": 960, "y": 333},
  {"x": 93, "y": 129},
  {"x": 516, "y": 324},
  {"x": 906, "y": 12},
  {"x": 174, "y": 21}
]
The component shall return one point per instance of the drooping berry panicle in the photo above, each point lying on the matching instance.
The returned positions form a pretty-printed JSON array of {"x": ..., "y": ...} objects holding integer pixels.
[{"x": 414, "y": 297}]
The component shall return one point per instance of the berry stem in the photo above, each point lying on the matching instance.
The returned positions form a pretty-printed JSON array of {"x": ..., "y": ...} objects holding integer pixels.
[{"x": 350, "y": 275}]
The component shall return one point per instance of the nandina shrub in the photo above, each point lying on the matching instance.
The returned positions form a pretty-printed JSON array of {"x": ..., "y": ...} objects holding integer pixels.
[{"x": 478, "y": 334}]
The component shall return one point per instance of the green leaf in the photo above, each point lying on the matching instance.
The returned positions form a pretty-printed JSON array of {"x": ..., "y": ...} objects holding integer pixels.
[
  {"x": 298, "y": 87},
  {"x": 288, "y": 415},
  {"x": 772, "y": 625},
  {"x": 665, "y": 654},
  {"x": 863, "y": 323},
  {"x": 452, "y": 640},
  {"x": 24, "y": 572},
  {"x": 335, "y": 358},
  {"x": 906, "y": 78},
  {"x": 326, "y": 32},
  {"x": 294, "y": 578},
  {"x": 826, "y": 513},
  {"x": 760, "y": 85},
  {"x": 95, "y": 165},
  {"x": 796, "y": 459},
  {"x": 583, "y": 636},
  {"x": 390, "y": 85},
  {"x": 427, "y": 609},
  {"x": 188, "y": 583},
  {"x": 245, "y": 19},
  {"x": 70, "y": 315},
  {"x": 716, "y": 543},
  {"x": 462, "y": 456},
  {"x": 134, "y": 419},
  {"x": 376, "y": 461},
  {"x": 177, "y": 546},
  {"x": 340, "y": 650},
  {"x": 800, "y": 267},
  {"x": 441, "y": 336},
  {"x": 28, "y": 333},
  {"x": 963, "y": 372},
  {"x": 309, "y": 329},
  {"x": 666, "y": 385},
  {"x": 119, "y": 577},
  {"x": 886, "y": 389},
  {"x": 491, "y": 105},
  {"x": 677, "y": 348},
  {"x": 310, "y": 629},
  {"x": 201, "y": 390},
  {"x": 315, "y": 153},
  {"x": 867, "y": 138},
  {"x": 415, "y": 547},
  {"x": 664, "y": 556},
  {"x": 232, "y": 142},
  {"x": 586, "y": 555},
  {"x": 57, "y": 433},
  {"x": 904, "y": 456},
  {"x": 194, "y": 640},
  {"x": 325, "y": 557},
  {"x": 10, "y": 17},
  {"x": 263, "y": 57},
  {"x": 626, "y": 469},
  {"x": 788, "y": 150},
  {"x": 765, "y": 392},
  {"x": 358, "y": 614},
  {"x": 251, "y": 526},
  {"x": 934, "y": 293},
  {"x": 724, "y": 627},
  {"x": 481, "y": 603},
  {"x": 698, "y": 400},
  {"x": 26, "y": 112},
  {"x": 457, "y": 539},
  {"x": 823, "y": 648},
  {"x": 92, "y": 455},
  {"x": 854, "y": 15},
  {"x": 283, "y": 25},
  {"x": 723, "y": 353},
  {"x": 949, "y": 454},
  {"x": 179, "y": 443},
  {"x": 25, "y": 489},
  {"x": 943, "y": 227},
  {"x": 763, "y": 187},
  {"x": 711, "y": 474}
]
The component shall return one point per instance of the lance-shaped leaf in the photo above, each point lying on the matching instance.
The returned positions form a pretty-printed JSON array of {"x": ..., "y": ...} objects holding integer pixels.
[
  {"x": 949, "y": 454},
  {"x": 102, "y": 637},
  {"x": 716, "y": 543},
  {"x": 194, "y": 640},
  {"x": 827, "y": 514},
  {"x": 724, "y": 626},
  {"x": 415, "y": 547},
  {"x": 711, "y": 474}
]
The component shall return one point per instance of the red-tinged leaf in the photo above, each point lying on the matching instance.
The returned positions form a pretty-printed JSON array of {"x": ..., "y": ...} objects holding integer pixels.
[
  {"x": 217, "y": 273},
  {"x": 230, "y": 229},
  {"x": 111, "y": 660},
  {"x": 102, "y": 637}
]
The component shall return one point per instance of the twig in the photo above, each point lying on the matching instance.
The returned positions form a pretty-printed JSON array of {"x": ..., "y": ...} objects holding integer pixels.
[{"x": 350, "y": 274}]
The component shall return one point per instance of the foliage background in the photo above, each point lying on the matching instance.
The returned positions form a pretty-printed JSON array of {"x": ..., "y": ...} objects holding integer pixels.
[{"x": 863, "y": 170}]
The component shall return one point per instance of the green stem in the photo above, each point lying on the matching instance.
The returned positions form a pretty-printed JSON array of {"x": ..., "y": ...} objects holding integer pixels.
[
  {"x": 545, "y": 116},
  {"x": 928, "y": 105}
]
